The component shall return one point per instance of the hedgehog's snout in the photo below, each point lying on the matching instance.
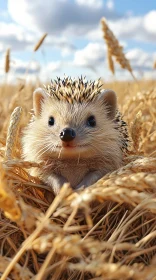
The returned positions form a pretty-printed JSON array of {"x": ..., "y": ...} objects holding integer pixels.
[{"x": 67, "y": 134}]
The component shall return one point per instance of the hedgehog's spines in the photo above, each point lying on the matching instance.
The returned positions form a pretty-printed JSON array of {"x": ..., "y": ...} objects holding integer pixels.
[
  {"x": 121, "y": 126},
  {"x": 71, "y": 90}
]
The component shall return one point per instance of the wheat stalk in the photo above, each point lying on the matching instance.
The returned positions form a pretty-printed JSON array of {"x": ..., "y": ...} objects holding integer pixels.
[
  {"x": 7, "y": 61},
  {"x": 40, "y": 42},
  {"x": 12, "y": 132},
  {"x": 114, "y": 48}
]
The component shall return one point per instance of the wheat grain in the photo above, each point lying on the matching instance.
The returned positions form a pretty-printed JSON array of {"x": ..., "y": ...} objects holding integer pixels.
[{"x": 40, "y": 42}]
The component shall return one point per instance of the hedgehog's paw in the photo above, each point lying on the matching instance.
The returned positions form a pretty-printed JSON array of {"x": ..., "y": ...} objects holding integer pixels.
[
  {"x": 89, "y": 179},
  {"x": 55, "y": 182}
]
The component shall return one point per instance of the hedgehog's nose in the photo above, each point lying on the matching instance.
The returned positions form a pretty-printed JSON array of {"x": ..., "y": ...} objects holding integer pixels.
[{"x": 67, "y": 134}]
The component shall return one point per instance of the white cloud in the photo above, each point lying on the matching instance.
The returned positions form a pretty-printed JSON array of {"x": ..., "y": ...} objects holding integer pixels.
[
  {"x": 90, "y": 61},
  {"x": 92, "y": 55},
  {"x": 67, "y": 51},
  {"x": 4, "y": 14},
  {"x": 141, "y": 60},
  {"x": 19, "y": 69},
  {"x": 2, "y": 48},
  {"x": 21, "y": 15},
  {"x": 95, "y": 34},
  {"x": 79, "y": 18},
  {"x": 110, "y": 4},
  {"x": 54, "y": 66},
  {"x": 74, "y": 17},
  {"x": 50, "y": 70},
  {"x": 137, "y": 28},
  {"x": 150, "y": 22},
  {"x": 14, "y": 36},
  {"x": 17, "y": 38},
  {"x": 95, "y": 4}
]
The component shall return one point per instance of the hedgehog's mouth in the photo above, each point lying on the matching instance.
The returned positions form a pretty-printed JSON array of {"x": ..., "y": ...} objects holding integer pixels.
[
  {"x": 72, "y": 150},
  {"x": 70, "y": 146}
]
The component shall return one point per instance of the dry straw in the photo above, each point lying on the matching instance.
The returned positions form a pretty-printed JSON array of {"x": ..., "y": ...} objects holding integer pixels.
[
  {"x": 40, "y": 42},
  {"x": 114, "y": 49}
]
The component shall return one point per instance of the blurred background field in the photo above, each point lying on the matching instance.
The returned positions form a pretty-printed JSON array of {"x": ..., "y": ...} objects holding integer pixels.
[{"x": 107, "y": 231}]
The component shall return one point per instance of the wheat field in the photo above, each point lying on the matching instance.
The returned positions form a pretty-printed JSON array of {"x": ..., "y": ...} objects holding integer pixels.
[{"x": 107, "y": 231}]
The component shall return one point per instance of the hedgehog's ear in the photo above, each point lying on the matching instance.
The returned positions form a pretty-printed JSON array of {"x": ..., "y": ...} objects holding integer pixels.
[
  {"x": 108, "y": 97},
  {"x": 39, "y": 95}
]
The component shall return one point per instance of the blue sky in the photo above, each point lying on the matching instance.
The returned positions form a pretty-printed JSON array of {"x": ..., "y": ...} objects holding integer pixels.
[
  {"x": 74, "y": 44},
  {"x": 138, "y": 7}
]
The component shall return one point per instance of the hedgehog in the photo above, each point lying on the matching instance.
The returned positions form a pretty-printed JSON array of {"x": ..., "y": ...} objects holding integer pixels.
[{"x": 76, "y": 133}]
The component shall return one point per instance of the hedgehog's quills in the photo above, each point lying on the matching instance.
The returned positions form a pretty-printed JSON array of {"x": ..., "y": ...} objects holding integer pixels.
[{"x": 76, "y": 131}]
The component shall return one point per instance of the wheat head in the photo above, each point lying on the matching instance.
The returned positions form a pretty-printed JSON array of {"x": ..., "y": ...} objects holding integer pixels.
[
  {"x": 40, "y": 42},
  {"x": 12, "y": 132},
  {"x": 114, "y": 48},
  {"x": 7, "y": 61}
]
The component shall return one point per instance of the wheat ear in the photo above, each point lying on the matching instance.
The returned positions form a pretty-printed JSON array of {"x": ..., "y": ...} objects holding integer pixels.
[
  {"x": 114, "y": 48},
  {"x": 12, "y": 132},
  {"x": 40, "y": 42},
  {"x": 7, "y": 61}
]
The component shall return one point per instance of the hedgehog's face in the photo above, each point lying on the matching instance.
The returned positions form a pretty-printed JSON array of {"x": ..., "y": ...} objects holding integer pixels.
[{"x": 74, "y": 130}]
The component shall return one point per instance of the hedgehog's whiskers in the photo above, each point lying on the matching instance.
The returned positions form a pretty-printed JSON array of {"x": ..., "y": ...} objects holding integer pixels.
[
  {"x": 60, "y": 153},
  {"x": 44, "y": 150}
]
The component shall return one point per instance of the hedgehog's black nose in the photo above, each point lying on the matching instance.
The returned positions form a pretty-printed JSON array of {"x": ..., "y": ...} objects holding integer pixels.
[{"x": 67, "y": 134}]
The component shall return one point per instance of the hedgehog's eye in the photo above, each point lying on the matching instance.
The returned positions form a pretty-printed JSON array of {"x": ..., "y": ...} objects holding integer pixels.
[
  {"x": 91, "y": 121},
  {"x": 51, "y": 121}
]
